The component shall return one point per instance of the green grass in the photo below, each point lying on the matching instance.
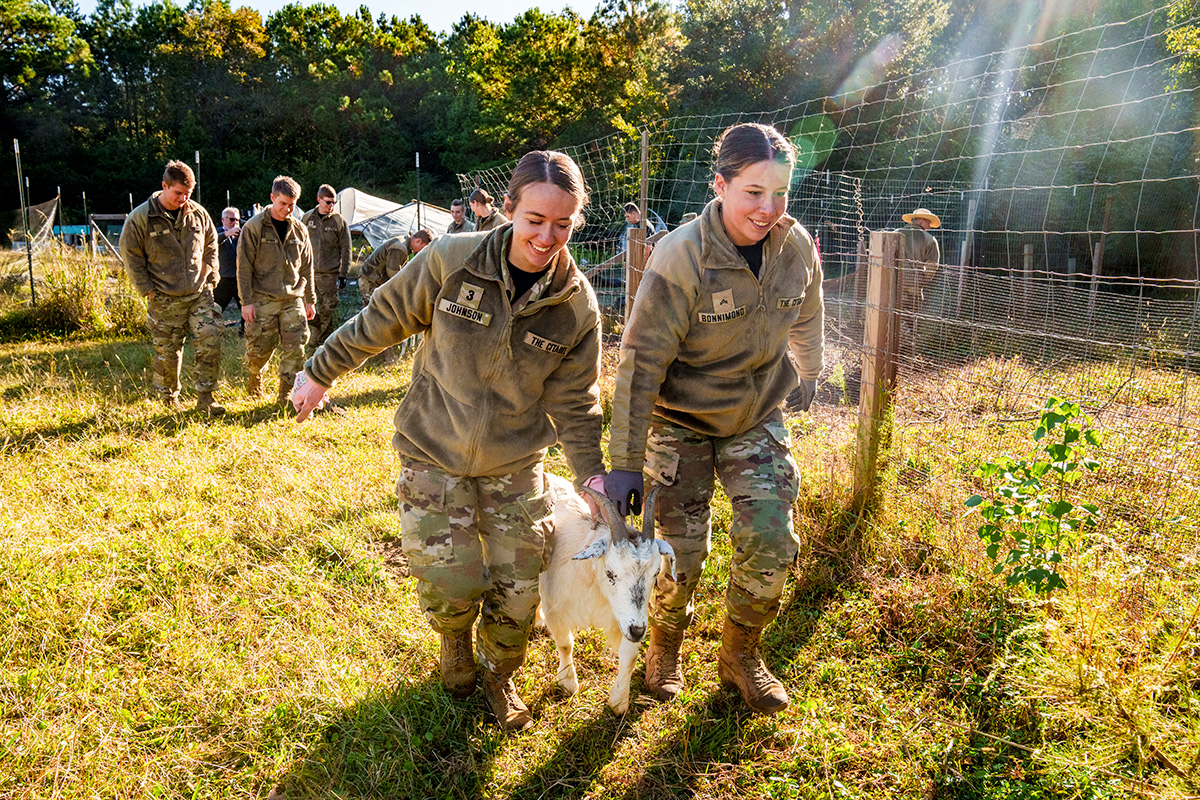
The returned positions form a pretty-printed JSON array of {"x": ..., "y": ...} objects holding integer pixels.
[{"x": 213, "y": 609}]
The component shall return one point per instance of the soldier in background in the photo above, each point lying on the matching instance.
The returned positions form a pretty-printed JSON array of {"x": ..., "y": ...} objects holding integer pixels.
[
  {"x": 384, "y": 262},
  {"x": 486, "y": 217},
  {"x": 460, "y": 224},
  {"x": 169, "y": 246},
  {"x": 275, "y": 285},
  {"x": 387, "y": 259},
  {"x": 227, "y": 239},
  {"x": 329, "y": 236}
]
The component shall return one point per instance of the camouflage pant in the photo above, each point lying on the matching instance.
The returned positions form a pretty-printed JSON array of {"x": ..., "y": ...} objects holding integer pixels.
[
  {"x": 277, "y": 323},
  {"x": 170, "y": 319},
  {"x": 477, "y": 545},
  {"x": 759, "y": 475},
  {"x": 325, "y": 284}
]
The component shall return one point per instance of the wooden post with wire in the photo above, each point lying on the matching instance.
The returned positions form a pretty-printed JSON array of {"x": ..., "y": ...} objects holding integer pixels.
[
  {"x": 879, "y": 356},
  {"x": 635, "y": 241}
]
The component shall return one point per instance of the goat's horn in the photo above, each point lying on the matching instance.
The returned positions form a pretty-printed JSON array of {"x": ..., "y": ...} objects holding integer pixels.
[
  {"x": 616, "y": 523},
  {"x": 648, "y": 513}
]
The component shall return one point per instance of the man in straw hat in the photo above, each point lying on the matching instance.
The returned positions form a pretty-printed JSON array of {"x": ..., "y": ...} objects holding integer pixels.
[{"x": 922, "y": 256}]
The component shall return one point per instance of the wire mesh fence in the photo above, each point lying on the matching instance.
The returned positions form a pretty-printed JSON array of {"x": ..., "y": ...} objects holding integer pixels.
[{"x": 1065, "y": 180}]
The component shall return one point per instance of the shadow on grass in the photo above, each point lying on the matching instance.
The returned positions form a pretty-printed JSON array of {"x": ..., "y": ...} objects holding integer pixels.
[
  {"x": 165, "y": 424},
  {"x": 706, "y": 744},
  {"x": 579, "y": 756},
  {"x": 417, "y": 741}
]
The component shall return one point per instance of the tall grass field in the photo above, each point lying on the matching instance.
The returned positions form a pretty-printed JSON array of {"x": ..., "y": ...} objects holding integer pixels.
[{"x": 195, "y": 608}]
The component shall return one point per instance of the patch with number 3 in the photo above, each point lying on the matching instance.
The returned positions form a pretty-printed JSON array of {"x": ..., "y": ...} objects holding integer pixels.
[{"x": 469, "y": 295}]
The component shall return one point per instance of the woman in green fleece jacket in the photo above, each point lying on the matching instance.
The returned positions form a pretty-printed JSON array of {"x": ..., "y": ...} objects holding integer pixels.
[
  {"x": 704, "y": 367},
  {"x": 509, "y": 366}
]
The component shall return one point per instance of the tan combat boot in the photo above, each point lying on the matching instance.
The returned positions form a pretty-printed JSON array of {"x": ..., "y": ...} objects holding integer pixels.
[
  {"x": 285, "y": 393},
  {"x": 206, "y": 404},
  {"x": 502, "y": 698},
  {"x": 740, "y": 666},
  {"x": 664, "y": 675},
  {"x": 254, "y": 384},
  {"x": 171, "y": 401},
  {"x": 457, "y": 664}
]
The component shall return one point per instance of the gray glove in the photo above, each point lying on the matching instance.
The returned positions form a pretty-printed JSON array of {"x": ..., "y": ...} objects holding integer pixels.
[
  {"x": 625, "y": 490},
  {"x": 801, "y": 397}
]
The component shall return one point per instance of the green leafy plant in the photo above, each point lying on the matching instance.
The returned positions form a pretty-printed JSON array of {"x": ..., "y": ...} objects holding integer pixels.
[{"x": 1031, "y": 512}]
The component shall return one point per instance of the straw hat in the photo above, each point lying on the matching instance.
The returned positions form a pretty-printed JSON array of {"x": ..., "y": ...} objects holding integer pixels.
[{"x": 924, "y": 213}]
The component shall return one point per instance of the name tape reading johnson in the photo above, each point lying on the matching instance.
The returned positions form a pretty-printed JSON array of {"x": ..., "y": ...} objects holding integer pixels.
[{"x": 479, "y": 317}]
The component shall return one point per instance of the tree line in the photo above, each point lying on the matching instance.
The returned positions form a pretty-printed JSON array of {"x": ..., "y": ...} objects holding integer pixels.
[{"x": 99, "y": 102}]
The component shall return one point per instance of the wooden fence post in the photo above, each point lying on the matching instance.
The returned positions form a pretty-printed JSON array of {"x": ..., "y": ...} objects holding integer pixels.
[
  {"x": 635, "y": 241},
  {"x": 879, "y": 356}
]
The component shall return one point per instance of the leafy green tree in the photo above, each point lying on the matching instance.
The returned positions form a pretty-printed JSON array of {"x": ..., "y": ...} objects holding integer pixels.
[
  {"x": 735, "y": 57},
  {"x": 38, "y": 48}
]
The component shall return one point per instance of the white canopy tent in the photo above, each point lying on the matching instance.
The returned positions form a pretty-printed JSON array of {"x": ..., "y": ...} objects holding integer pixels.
[{"x": 379, "y": 220}]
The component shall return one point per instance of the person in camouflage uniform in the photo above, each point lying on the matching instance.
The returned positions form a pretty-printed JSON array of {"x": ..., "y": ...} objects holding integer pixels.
[
  {"x": 275, "y": 285},
  {"x": 509, "y": 366},
  {"x": 329, "y": 236},
  {"x": 387, "y": 259},
  {"x": 169, "y": 247},
  {"x": 704, "y": 367},
  {"x": 487, "y": 218},
  {"x": 458, "y": 214}
]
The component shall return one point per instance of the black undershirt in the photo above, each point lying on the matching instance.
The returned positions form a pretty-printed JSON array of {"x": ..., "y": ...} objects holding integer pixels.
[
  {"x": 172, "y": 215},
  {"x": 753, "y": 255},
  {"x": 281, "y": 227},
  {"x": 522, "y": 280}
]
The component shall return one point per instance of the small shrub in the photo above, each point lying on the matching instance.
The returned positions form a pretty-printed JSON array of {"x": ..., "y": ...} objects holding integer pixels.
[
  {"x": 72, "y": 294},
  {"x": 1030, "y": 511},
  {"x": 126, "y": 308}
]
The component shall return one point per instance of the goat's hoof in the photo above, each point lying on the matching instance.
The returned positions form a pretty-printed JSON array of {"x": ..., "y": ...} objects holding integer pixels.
[
  {"x": 569, "y": 687},
  {"x": 619, "y": 708}
]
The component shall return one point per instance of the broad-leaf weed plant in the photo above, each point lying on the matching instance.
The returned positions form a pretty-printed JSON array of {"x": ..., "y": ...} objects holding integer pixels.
[{"x": 1032, "y": 511}]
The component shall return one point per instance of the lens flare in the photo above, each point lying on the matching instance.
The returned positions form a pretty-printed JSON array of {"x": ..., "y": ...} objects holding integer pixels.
[{"x": 870, "y": 71}]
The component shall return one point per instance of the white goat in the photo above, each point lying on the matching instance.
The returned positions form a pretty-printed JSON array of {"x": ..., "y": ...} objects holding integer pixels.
[{"x": 600, "y": 576}]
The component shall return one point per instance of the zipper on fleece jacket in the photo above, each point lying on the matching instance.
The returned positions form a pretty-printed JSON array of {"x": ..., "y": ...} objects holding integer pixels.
[{"x": 499, "y": 362}]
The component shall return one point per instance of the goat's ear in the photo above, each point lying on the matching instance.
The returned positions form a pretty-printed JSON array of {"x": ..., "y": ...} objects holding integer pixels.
[
  {"x": 597, "y": 549},
  {"x": 665, "y": 550}
]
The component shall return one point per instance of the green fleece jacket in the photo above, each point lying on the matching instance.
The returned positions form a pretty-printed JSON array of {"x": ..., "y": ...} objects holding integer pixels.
[
  {"x": 466, "y": 226},
  {"x": 707, "y": 343},
  {"x": 492, "y": 387},
  {"x": 490, "y": 223},
  {"x": 173, "y": 257},
  {"x": 330, "y": 239},
  {"x": 271, "y": 268},
  {"x": 385, "y": 260}
]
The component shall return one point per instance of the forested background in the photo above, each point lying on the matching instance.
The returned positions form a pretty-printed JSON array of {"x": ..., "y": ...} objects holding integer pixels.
[{"x": 99, "y": 102}]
